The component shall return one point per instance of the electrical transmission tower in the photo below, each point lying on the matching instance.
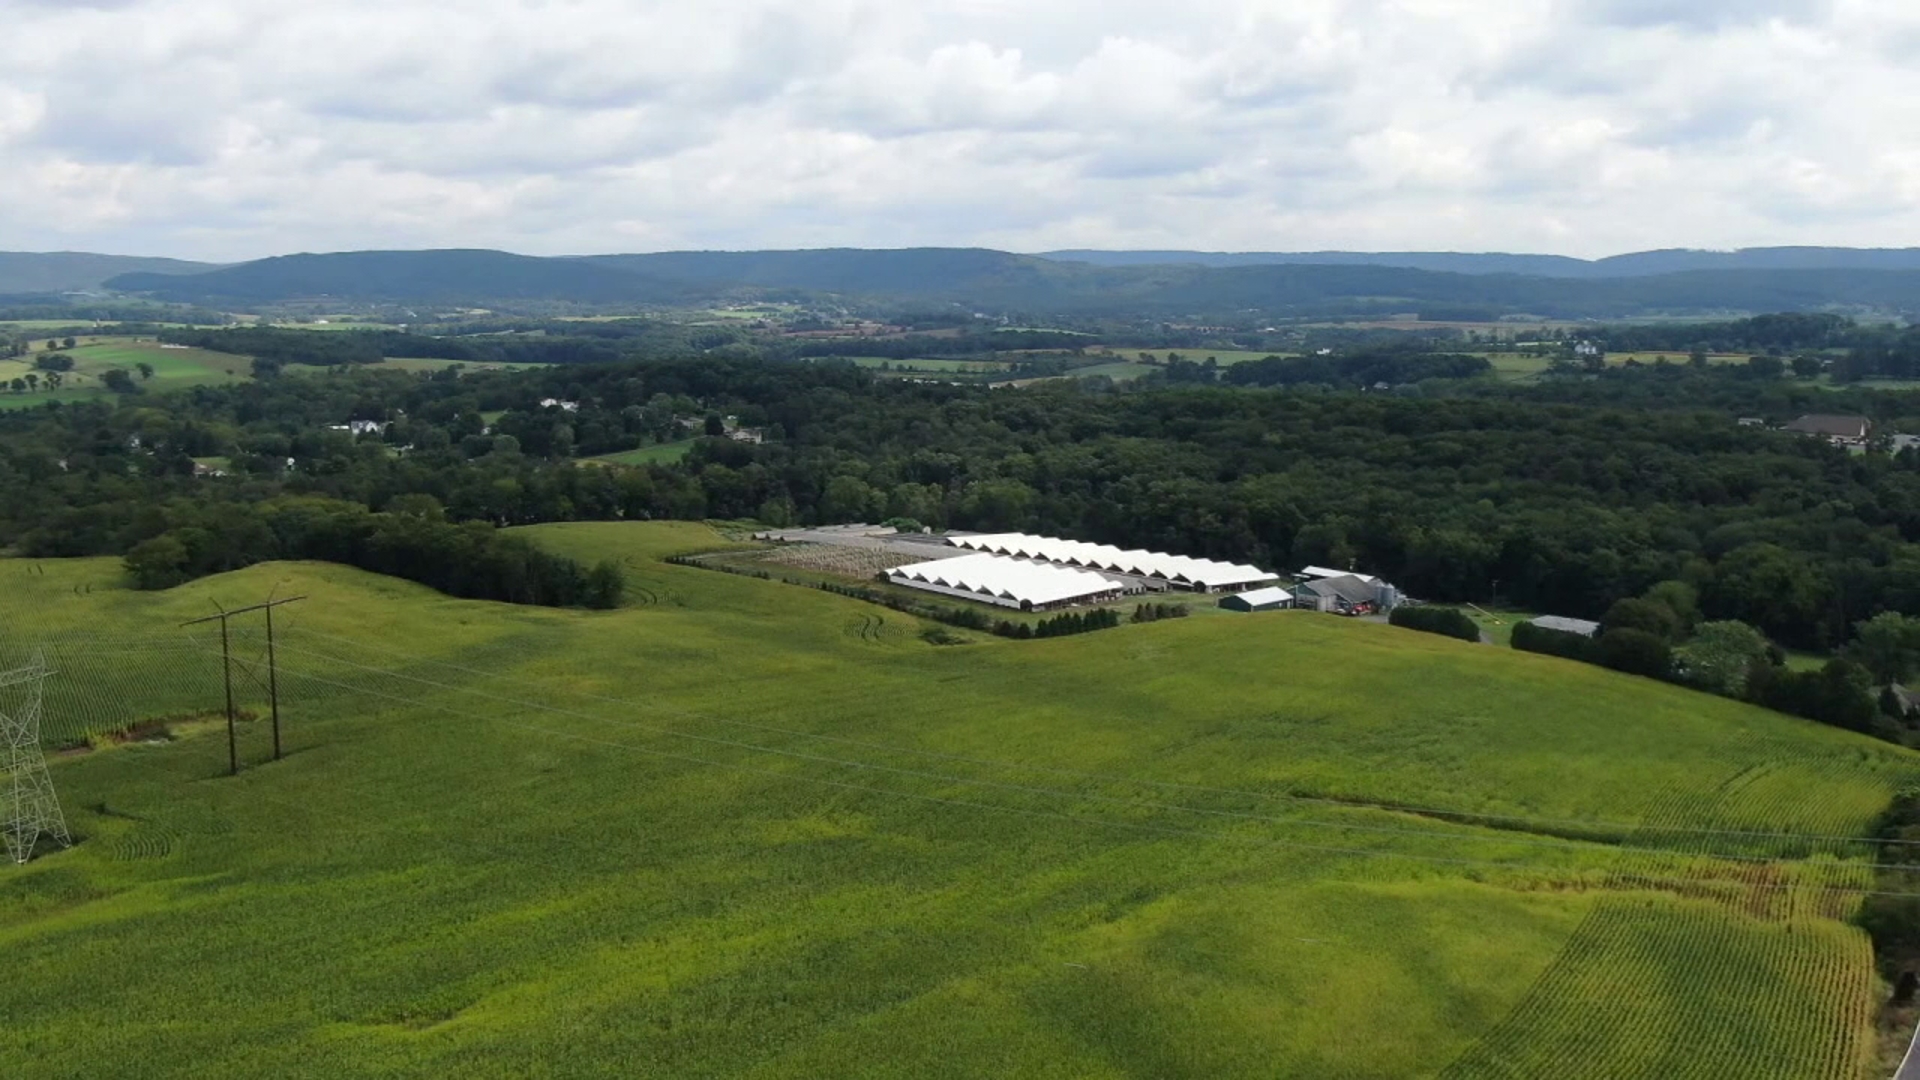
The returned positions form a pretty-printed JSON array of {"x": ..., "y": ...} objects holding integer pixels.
[{"x": 30, "y": 808}]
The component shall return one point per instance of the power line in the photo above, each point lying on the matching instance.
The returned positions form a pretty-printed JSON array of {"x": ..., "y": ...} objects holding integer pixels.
[
  {"x": 32, "y": 809},
  {"x": 1107, "y": 822}
]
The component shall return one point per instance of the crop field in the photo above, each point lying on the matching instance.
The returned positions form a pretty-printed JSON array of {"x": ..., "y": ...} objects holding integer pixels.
[
  {"x": 739, "y": 828},
  {"x": 173, "y": 369},
  {"x": 1514, "y": 366}
]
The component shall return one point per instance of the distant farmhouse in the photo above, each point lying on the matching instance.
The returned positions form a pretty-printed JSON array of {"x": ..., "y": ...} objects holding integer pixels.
[{"x": 1839, "y": 430}]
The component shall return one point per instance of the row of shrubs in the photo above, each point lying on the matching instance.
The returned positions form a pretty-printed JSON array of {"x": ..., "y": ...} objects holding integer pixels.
[
  {"x": 1839, "y": 693},
  {"x": 1451, "y": 622},
  {"x": 1062, "y": 625},
  {"x": 1146, "y": 613}
]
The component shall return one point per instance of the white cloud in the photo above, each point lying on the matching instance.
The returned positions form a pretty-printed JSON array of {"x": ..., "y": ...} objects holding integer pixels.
[{"x": 237, "y": 128}]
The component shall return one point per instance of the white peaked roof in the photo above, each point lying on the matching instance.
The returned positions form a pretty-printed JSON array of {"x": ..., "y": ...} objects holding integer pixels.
[
  {"x": 1323, "y": 572},
  {"x": 1009, "y": 579},
  {"x": 1585, "y": 627},
  {"x": 1154, "y": 564},
  {"x": 1260, "y": 597}
]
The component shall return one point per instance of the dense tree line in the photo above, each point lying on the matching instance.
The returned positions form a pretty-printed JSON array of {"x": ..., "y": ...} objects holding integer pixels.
[
  {"x": 1434, "y": 619},
  {"x": 414, "y": 542},
  {"x": 1369, "y": 367},
  {"x": 1661, "y": 635},
  {"x": 1545, "y": 498}
]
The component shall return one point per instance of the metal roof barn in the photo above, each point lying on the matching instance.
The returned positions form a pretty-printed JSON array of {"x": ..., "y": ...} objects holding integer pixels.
[
  {"x": 1008, "y": 583},
  {"x": 1259, "y": 600},
  {"x": 1204, "y": 575},
  {"x": 1583, "y": 627}
]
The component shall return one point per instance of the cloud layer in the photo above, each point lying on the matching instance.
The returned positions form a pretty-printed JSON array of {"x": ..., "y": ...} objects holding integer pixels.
[{"x": 235, "y": 128}]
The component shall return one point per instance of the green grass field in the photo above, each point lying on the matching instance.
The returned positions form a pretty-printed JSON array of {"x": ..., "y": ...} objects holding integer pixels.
[
  {"x": 746, "y": 829},
  {"x": 656, "y": 454},
  {"x": 1224, "y": 357},
  {"x": 1118, "y": 371},
  {"x": 1514, "y": 367},
  {"x": 925, "y": 365},
  {"x": 173, "y": 369}
]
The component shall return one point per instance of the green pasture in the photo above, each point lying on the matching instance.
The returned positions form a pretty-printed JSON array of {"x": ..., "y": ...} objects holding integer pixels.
[
  {"x": 747, "y": 829},
  {"x": 1119, "y": 371},
  {"x": 927, "y": 365},
  {"x": 417, "y": 363},
  {"x": 173, "y": 369},
  {"x": 1223, "y": 357},
  {"x": 1497, "y": 623},
  {"x": 657, "y": 454}
]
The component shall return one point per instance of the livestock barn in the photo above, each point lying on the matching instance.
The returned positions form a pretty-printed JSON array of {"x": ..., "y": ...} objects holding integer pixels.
[
  {"x": 1170, "y": 571},
  {"x": 1008, "y": 583}
]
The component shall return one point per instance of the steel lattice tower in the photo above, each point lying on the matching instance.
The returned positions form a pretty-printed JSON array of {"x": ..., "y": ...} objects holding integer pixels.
[{"x": 27, "y": 801}]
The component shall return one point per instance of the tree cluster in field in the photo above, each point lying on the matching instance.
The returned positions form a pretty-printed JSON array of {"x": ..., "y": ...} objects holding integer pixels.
[
  {"x": 1892, "y": 914},
  {"x": 412, "y": 541},
  {"x": 1661, "y": 636},
  {"x": 1435, "y": 619},
  {"x": 1146, "y": 613}
]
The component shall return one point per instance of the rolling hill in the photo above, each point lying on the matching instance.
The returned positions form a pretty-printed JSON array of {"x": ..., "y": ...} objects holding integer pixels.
[
  {"x": 1637, "y": 264},
  {"x": 741, "y": 828},
  {"x": 27, "y": 272},
  {"x": 402, "y": 277}
]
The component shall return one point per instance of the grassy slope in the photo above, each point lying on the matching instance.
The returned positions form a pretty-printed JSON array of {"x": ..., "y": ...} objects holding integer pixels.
[
  {"x": 663, "y": 453},
  {"x": 173, "y": 369},
  {"x": 495, "y": 869}
]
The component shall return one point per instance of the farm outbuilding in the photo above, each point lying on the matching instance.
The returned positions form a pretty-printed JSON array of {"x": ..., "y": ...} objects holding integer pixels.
[
  {"x": 1583, "y": 627},
  {"x": 1175, "y": 571},
  {"x": 1008, "y": 583},
  {"x": 1274, "y": 599},
  {"x": 1348, "y": 594}
]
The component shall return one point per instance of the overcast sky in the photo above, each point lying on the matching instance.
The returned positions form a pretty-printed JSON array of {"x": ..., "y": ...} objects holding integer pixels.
[{"x": 227, "y": 129}]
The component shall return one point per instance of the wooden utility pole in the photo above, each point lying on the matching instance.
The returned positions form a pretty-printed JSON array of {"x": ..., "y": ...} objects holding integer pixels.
[{"x": 226, "y": 670}]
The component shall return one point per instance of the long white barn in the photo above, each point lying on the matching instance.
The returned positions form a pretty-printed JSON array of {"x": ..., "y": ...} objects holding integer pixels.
[
  {"x": 1179, "y": 571},
  {"x": 1008, "y": 583}
]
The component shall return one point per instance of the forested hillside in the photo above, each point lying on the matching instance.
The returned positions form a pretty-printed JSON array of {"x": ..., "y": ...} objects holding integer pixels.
[{"x": 1001, "y": 282}]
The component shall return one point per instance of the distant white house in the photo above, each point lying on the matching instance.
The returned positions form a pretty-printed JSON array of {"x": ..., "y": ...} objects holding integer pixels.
[
  {"x": 358, "y": 428},
  {"x": 556, "y": 403}
]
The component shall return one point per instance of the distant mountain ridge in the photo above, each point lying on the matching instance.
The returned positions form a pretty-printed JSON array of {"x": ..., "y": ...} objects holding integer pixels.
[
  {"x": 26, "y": 272},
  {"x": 1330, "y": 283},
  {"x": 404, "y": 277},
  {"x": 1635, "y": 264}
]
